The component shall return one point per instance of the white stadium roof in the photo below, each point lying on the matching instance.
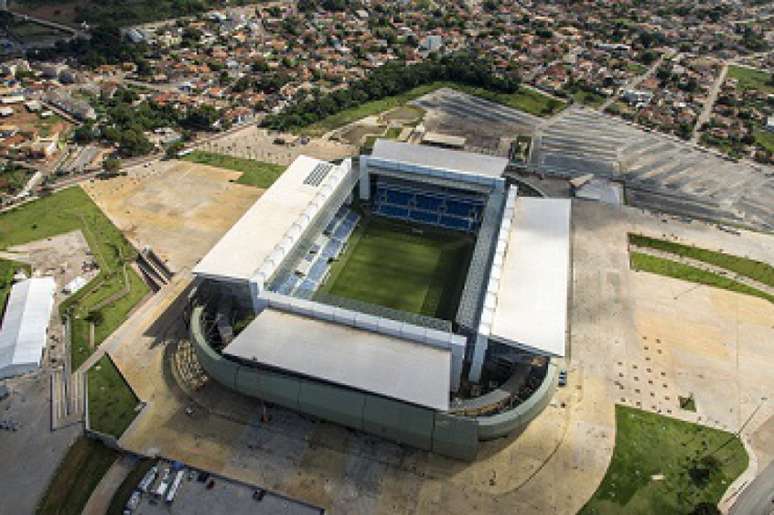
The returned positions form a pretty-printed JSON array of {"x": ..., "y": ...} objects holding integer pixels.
[
  {"x": 385, "y": 365},
  {"x": 288, "y": 204},
  {"x": 23, "y": 333},
  {"x": 529, "y": 307},
  {"x": 433, "y": 157}
]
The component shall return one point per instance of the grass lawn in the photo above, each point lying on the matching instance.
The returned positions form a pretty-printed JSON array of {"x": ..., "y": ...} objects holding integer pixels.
[
  {"x": 525, "y": 99},
  {"x": 751, "y": 79},
  {"x": 66, "y": 211},
  {"x": 761, "y": 272},
  {"x": 657, "y": 265},
  {"x": 388, "y": 264},
  {"x": 764, "y": 139},
  {"x": 254, "y": 173},
  {"x": 698, "y": 465},
  {"x": 76, "y": 477},
  {"x": 124, "y": 492},
  {"x": 588, "y": 98},
  {"x": 7, "y": 271},
  {"x": 112, "y": 402}
]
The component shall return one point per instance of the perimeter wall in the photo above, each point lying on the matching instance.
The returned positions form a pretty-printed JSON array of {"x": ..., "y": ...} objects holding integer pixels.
[{"x": 449, "y": 435}]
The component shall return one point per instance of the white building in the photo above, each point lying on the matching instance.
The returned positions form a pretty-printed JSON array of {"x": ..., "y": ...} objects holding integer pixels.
[{"x": 25, "y": 325}]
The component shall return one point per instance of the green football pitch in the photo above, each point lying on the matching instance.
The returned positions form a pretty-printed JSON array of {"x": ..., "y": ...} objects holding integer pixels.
[{"x": 402, "y": 267}]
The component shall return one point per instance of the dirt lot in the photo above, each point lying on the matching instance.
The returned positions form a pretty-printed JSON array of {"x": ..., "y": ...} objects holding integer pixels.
[
  {"x": 258, "y": 144},
  {"x": 180, "y": 209}
]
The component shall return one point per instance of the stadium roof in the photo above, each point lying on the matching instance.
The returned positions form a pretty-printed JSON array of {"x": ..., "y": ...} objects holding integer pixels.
[
  {"x": 23, "y": 333},
  {"x": 384, "y": 365},
  {"x": 423, "y": 155},
  {"x": 291, "y": 201},
  {"x": 534, "y": 273}
]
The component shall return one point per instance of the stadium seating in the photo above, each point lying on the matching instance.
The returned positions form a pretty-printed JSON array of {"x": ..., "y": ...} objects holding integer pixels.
[
  {"x": 326, "y": 248},
  {"x": 444, "y": 207}
]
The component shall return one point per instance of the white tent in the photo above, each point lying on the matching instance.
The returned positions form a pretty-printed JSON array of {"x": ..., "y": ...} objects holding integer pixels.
[{"x": 23, "y": 333}]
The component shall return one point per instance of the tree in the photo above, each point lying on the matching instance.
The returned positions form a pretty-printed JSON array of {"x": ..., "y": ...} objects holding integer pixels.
[{"x": 111, "y": 165}]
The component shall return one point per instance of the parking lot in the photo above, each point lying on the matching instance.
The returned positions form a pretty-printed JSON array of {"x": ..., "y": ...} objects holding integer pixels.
[
  {"x": 660, "y": 172},
  {"x": 204, "y": 494}
]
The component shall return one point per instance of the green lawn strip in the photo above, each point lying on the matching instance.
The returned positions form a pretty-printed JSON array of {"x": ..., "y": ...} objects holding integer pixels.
[
  {"x": 70, "y": 210},
  {"x": 765, "y": 139},
  {"x": 129, "y": 484},
  {"x": 588, "y": 98},
  {"x": 112, "y": 403},
  {"x": 524, "y": 99},
  {"x": 388, "y": 265},
  {"x": 757, "y": 270},
  {"x": 254, "y": 173},
  {"x": 76, "y": 477},
  {"x": 7, "y": 270},
  {"x": 657, "y": 265},
  {"x": 748, "y": 78},
  {"x": 698, "y": 465}
]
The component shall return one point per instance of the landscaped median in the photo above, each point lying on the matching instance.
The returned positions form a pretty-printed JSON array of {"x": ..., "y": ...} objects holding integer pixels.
[
  {"x": 702, "y": 266},
  {"x": 666, "y": 466}
]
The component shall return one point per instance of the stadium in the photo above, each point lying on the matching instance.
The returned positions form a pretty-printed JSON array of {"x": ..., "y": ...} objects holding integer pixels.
[{"x": 412, "y": 294}]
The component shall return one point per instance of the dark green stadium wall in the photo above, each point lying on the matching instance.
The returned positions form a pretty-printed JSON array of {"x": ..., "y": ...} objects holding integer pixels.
[{"x": 448, "y": 435}]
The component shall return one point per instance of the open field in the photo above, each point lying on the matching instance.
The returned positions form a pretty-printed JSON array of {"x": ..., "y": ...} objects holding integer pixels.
[
  {"x": 696, "y": 465},
  {"x": 112, "y": 404},
  {"x": 389, "y": 264},
  {"x": 178, "y": 208},
  {"x": 751, "y": 79},
  {"x": 115, "y": 290},
  {"x": 78, "y": 474},
  {"x": 524, "y": 99},
  {"x": 762, "y": 272},
  {"x": 254, "y": 173}
]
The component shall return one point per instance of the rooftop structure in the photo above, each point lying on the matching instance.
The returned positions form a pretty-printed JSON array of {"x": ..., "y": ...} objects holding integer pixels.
[
  {"x": 274, "y": 223},
  {"x": 23, "y": 333},
  {"x": 437, "y": 158},
  {"x": 345, "y": 355}
]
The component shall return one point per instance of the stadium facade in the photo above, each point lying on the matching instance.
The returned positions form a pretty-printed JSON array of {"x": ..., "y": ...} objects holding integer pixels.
[{"x": 260, "y": 325}]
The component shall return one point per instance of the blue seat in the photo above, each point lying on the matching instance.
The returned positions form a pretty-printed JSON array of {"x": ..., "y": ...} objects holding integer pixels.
[
  {"x": 424, "y": 217},
  {"x": 452, "y": 222}
]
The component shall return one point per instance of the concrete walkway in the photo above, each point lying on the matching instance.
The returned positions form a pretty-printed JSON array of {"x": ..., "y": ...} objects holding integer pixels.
[{"x": 99, "y": 502}]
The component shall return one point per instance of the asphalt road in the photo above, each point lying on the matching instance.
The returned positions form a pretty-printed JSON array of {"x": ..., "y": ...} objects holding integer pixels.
[{"x": 758, "y": 498}]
